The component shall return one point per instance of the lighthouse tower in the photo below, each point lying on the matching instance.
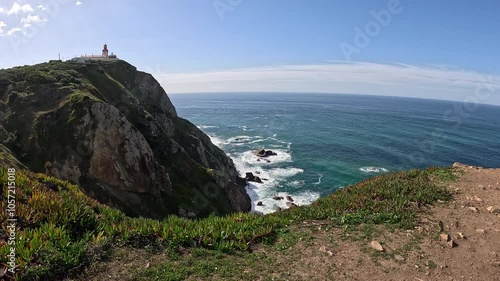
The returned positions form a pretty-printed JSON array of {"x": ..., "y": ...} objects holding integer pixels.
[{"x": 105, "y": 51}]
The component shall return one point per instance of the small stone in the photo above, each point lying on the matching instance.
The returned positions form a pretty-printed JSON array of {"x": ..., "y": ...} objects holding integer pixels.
[
  {"x": 377, "y": 246},
  {"x": 451, "y": 243},
  {"x": 493, "y": 209},
  {"x": 260, "y": 203},
  {"x": 399, "y": 258},
  {"x": 474, "y": 209},
  {"x": 148, "y": 265},
  {"x": 461, "y": 235},
  {"x": 477, "y": 199},
  {"x": 481, "y": 186},
  {"x": 324, "y": 250},
  {"x": 289, "y": 198},
  {"x": 445, "y": 237},
  {"x": 480, "y": 231}
]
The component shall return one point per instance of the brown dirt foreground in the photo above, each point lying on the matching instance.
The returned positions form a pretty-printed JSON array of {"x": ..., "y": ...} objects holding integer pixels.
[
  {"x": 470, "y": 252},
  {"x": 420, "y": 254}
]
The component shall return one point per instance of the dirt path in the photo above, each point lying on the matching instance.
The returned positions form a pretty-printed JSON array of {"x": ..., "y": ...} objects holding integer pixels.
[
  {"x": 418, "y": 254},
  {"x": 471, "y": 252}
]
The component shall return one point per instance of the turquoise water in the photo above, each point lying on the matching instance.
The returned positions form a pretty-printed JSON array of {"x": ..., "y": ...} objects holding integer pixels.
[{"x": 325, "y": 142}]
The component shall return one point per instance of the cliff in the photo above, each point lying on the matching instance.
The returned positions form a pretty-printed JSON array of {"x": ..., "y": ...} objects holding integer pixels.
[{"x": 112, "y": 130}]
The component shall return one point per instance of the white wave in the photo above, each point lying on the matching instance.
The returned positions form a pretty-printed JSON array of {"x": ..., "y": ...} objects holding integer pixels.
[
  {"x": 319, "y": 180},
  {"x": 239, "y": 139},
  {"x": 371, "y": 169},
  {"x": 271, "y": 177},
  {"x": 258, "y": 140},
  {"x": 284, "y": 172},
  {"x": 217, "y": 141},
  {"x": 270, "y": 205},
  {"x": 297, "y": 183},
  {"x": 207, "y": 127},
  {"x": 244, "y": 128}
]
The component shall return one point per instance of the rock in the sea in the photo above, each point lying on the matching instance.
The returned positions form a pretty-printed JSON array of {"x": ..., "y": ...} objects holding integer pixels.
[
  {"x": 264, "y": 153},
  {"x": 291, "y": 205},
  {"x": 278, "y": 198},
  {"x": 377, "y": 246},
  {"x": 260, "y": 203},
  {"x": 250, "y": 177},
  {"x": 289, "y": 198}
]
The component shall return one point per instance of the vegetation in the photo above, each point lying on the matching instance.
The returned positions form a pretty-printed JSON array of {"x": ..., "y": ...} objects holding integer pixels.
[{"x": 60, "y": 230}]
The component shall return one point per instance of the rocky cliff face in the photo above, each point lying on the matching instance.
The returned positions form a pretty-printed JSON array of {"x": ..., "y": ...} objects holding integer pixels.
[{"x": 113, "y": 130}]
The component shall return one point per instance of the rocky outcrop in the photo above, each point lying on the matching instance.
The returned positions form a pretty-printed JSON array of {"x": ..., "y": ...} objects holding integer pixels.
[
  {"x": 264, "y": 153},
  {"x": 251, "y": 177},
  {"x": 114, "y": 131}
]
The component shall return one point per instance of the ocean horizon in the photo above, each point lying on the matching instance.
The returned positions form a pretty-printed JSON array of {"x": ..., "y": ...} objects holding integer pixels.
[{"x": 325, "y": 142}]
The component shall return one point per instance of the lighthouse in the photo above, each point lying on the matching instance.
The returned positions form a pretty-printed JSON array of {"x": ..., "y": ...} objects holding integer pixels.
[
  {"x": 105, "y": 51},
  {"x": 104, "y": 56}
]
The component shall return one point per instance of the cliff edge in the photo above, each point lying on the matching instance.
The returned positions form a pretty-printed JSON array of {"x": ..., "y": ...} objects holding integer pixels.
[{"x": 113, "y": 130}]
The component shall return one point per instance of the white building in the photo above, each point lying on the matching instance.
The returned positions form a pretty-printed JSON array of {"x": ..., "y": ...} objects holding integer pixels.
[{"x": 104, "y": 56}]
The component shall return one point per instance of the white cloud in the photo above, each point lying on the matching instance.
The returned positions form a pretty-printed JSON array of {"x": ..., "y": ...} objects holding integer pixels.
[
  {"x": 41, "y": 7},
  {"x": 2, "y": 10},
  {"x": 27, "y": 21},
  {"x": 78, "y": 3},
  {"x": 2, "y": 25},
  {"x": 16, "y": 8},
  {"x": 341, "y": 77},
  {"x": 13, "y": 30}
]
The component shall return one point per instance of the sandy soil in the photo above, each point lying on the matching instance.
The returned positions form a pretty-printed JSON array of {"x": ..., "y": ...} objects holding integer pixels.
[{"x": 419, "y": 254}]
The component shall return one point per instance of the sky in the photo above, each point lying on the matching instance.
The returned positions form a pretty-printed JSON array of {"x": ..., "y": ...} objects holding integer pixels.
[{"x": 444, "y": 49}]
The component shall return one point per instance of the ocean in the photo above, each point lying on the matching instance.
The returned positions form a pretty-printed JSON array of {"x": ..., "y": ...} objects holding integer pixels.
[{"x": 328, "y": 141}]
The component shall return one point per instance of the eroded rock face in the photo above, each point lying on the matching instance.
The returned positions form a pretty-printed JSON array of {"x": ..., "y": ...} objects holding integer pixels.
[{"x": 114, "y": 131}]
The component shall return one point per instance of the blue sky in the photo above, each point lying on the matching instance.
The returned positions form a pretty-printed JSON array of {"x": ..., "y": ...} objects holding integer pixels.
[{"x": 435, "y": 49}]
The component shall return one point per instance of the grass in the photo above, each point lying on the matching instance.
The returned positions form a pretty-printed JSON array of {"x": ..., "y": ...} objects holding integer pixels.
[{"x": 60, "y": 230}]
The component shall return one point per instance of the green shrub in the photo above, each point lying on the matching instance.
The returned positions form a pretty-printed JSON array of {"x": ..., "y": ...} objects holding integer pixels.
[{"x": 60, "y": 228}]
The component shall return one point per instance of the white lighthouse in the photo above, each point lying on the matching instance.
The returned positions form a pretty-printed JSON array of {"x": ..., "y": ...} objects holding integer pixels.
[
  {"x": 105, "y": 51},
  {"x": 104, "y": 56}
]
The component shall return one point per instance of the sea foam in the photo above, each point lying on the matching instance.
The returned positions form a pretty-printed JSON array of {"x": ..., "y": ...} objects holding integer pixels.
[
  {"x": 371, "y": 169},
  {"x": 271, "y": 176}
]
